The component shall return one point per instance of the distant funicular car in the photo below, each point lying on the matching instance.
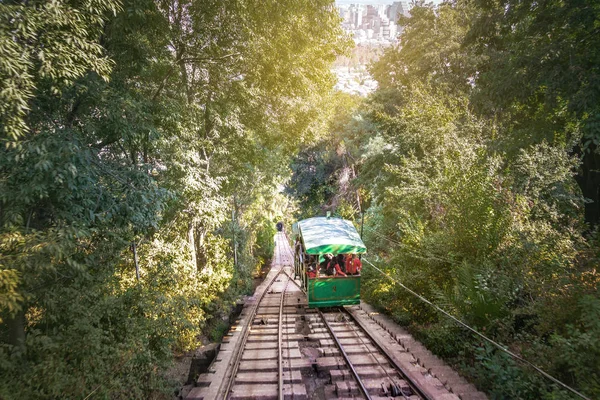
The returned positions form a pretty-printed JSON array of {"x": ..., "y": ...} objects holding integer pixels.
[{"x": 321, "y": 243}]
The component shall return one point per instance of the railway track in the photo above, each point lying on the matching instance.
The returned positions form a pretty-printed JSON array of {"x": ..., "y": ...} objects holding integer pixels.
[
  {"x": 253, "y": 374},
  {"x": 282, "y": 350},
  {"x": 372, "y": 373}
]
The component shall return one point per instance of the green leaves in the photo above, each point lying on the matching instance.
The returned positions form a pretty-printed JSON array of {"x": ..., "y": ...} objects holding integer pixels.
[
  {"x": 146, "y": 122},
  {"x": 477, "y": 160},
  {"x": 10, "y": 298},
  {"x": 538, "y": 79},
  {"x": 46, "y": 43}
]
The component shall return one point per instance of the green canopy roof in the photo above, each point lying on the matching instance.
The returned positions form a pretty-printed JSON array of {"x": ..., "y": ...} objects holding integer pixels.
[{"x": 322, "y": 235}]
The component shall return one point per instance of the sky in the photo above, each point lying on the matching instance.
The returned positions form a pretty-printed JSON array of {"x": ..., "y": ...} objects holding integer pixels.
[
  {"x": 374, "y": 2},
  {"x": 340, "y": 2}
]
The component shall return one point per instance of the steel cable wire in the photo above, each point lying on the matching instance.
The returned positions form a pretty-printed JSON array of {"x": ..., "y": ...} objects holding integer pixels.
[{"x": 474, "y": 331}]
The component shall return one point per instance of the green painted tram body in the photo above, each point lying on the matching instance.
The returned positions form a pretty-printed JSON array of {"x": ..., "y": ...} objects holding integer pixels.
[
  {"x": 320, "y": 236},
  {"x": 330, "y": 292}
]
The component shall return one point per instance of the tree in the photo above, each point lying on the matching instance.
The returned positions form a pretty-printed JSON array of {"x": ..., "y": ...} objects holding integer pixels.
[
  {"x": 539, "y": 79},
  {"x": 48, "y": 44},
  {"x": 431, "y": 51},
  {"x": 145, "y": 125},
  {"x": 470, "y": 170}
]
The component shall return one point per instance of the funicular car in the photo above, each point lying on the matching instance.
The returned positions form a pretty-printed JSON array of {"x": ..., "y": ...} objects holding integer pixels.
[{"x": 317, "y": 241}]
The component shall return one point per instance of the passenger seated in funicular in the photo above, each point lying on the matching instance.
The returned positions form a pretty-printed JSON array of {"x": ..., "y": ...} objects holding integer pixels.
[
  {"x": 333, "y": 266},
  {"x": 341, "y": 263},
  {"x": 311, "y": 270},
  {"x": 328, "y": 267},
  {"x": 338, "y": 271},
  {"x": 324, "y": 267},
  {"x": 347, "y": 262},
  {"x": 353, "y": 265}
]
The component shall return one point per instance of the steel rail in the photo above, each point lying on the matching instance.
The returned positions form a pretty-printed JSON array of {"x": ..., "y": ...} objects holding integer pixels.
[
  {"x": 413, "y": 385},
  {"x": 354, "y": 330},
  {"x": 289, "y": 248},
  {"x": 280, "y": 338},
  {"x": 361, "y": 385},
  {"x": 246, "y": 331}
]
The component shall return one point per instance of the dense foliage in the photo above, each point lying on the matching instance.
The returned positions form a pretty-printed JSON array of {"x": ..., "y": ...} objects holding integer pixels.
[
  {"x": 154, "y": 127},
  {"x": 475, "y": 163},
  {"x": 153, "y": 135}
]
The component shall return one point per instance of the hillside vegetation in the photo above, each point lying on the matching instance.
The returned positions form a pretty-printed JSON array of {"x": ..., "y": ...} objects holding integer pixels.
[
  {"x": 153, "y": 137},
  {"x": 160, "y": 124},
  {"x": 475, "y": 164}
]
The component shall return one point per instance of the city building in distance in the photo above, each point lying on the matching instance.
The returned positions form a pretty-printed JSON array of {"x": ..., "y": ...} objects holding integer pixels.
[
  {"x": 376, "y": 23},
  {"x": 373, "y": 24}
]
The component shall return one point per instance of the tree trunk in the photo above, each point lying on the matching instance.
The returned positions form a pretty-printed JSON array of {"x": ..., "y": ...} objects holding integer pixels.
[
  {"x": 16, "y": 330},
  {"x": 200, "y": 250},
  {"x": 192, "y": 243},
  {"x": 588, "y": 180}
]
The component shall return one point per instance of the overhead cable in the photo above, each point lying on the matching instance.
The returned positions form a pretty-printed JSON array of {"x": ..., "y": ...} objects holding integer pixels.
[{"x": 477, "y": 333}]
